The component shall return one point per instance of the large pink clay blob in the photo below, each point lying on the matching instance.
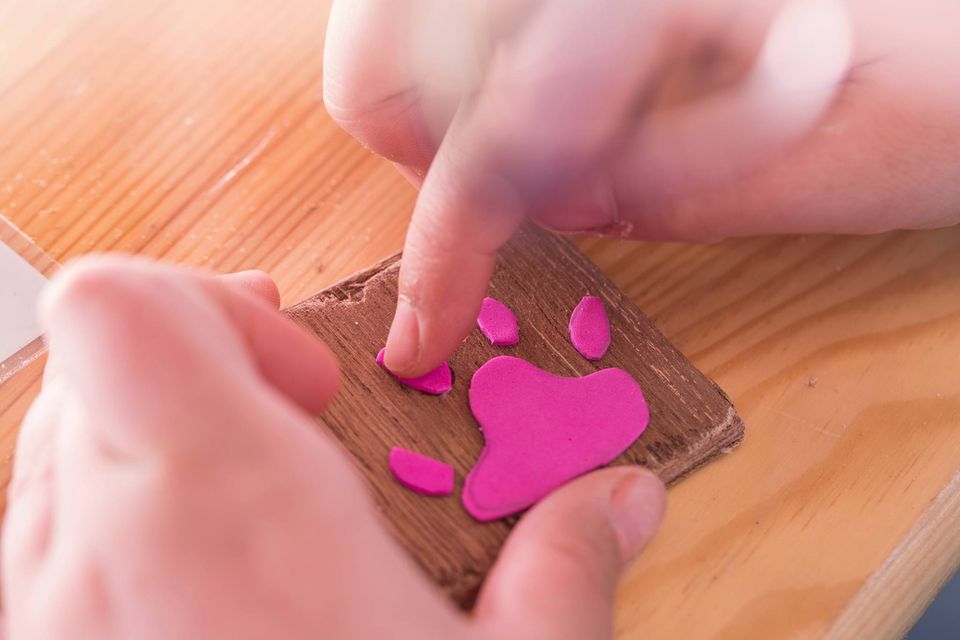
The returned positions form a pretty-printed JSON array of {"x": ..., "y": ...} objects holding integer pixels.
[
  {"x": 498, "y": 323},
  {"x": 590, "y": 328},
  {"x": 542, "y": 430},
  {"x": 435, "y": 382},
  {"x": 419, "y": 473}
]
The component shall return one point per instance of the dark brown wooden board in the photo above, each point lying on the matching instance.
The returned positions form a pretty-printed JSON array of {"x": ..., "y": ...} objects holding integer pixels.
[{"x": 541, "y": 277}]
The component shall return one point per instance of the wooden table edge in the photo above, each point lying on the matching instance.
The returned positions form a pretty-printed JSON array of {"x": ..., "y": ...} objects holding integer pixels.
[{"x": 896, "y": 594}]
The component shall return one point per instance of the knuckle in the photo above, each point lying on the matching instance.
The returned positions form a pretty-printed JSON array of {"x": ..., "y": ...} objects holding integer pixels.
[
  {"x": 89, "y": 275},
  {"x": 88, "y": 281},
  {"x": 122, "y": 286},
  {"x": 589, "y": 558}
]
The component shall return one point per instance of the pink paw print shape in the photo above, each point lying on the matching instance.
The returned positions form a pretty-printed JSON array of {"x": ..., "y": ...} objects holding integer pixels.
[{"x": 540, "y": 430}]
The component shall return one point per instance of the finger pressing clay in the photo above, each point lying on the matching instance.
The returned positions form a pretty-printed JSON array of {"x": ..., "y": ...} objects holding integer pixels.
[
  {"x": 542, "y": 430},
  {"x": 498, "y": 323},
  {"x": 590, "y": 328},
  {"x": 435, "y": 382},
  {"x": 419, "y": 473}
]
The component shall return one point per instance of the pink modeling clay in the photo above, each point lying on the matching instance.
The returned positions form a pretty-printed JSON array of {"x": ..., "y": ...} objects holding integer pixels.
[
  {"x": 419, "y": 473},
  {"x": 541, "y": 430},
  {"x": 590, "y": 328},
  {"x": 435, "y": 382},
  {"x": 498, "y": 323}
]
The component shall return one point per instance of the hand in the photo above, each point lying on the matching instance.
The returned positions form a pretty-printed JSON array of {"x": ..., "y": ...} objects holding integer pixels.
[
  {"x": 171, "y": 482},
  {"x": 669, "y": 119}
]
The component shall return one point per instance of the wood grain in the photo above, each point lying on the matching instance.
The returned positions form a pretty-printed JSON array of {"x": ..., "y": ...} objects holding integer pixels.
[
  {"x": 874, "y": 611},
  {"x": 541, "y": 277},
  {"x": 194, "y": 132}
]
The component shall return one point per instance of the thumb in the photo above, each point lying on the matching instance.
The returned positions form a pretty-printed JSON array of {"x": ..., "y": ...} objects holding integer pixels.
[{"x": 557, "y": 574}]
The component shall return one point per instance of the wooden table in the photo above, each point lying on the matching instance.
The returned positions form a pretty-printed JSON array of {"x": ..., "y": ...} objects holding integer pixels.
[{"x": 194, "y": 131}]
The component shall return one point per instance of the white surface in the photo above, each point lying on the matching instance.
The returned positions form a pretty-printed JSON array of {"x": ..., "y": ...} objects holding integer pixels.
[{"x": 20, "y": 286}]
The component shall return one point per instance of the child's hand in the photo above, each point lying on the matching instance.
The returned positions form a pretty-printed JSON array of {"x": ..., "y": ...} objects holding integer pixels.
[
  {"x": 170, "y": 482},
  {"x": 664, "y": 119}
]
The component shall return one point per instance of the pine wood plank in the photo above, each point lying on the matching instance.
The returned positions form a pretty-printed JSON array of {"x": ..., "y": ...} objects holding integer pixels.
[{"x": 116, "y": 126}]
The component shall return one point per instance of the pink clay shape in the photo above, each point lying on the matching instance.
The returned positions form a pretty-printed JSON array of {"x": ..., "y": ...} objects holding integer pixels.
[
  {"x": 420, "y": 473},
  {"x": 435, "y": 382},
  {"x": 541, "y": 430},
  {"x": 498, "y": 323},
  {"x": 590, "y": 328}
]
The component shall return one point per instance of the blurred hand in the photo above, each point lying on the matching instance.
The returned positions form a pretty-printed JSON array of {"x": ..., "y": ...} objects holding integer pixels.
[
  {"x": 171, "y": 482},
  {"x": 662, "y": 119}
]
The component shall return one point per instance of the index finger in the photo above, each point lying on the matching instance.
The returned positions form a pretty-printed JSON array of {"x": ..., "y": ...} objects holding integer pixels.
[{"x": 542, "y": 119}]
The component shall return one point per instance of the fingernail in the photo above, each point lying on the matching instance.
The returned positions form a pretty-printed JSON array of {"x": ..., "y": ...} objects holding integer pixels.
[
  {"x": 638, "y": 504},
  {"x": 403, "y": 343}
]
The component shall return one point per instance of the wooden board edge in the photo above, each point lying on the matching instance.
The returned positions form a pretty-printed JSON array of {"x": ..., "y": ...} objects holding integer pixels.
[
  {"x": 894, "y": 596},
  {"x": 730, "y": 434}
]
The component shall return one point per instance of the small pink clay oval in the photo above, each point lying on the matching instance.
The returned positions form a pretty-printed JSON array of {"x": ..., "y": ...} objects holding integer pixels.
[
  {"x": 590, "y": 328},
  {"x": 435, "y": 382},
  {"x": 419, "y": 473},
  {"x": 498, "y": 323}
]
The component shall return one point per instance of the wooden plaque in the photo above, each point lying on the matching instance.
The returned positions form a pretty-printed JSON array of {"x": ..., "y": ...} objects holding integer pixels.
[{"x": 541, "y": 277}]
